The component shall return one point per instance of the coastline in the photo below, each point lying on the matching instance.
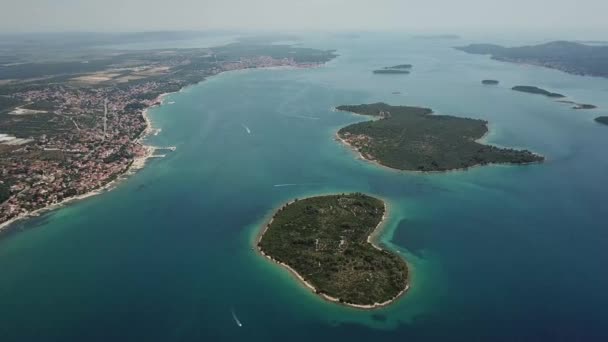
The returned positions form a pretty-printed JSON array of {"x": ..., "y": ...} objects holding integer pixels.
[
  {"x": 138, "y": 162},
  {"x": 371, "y": 239}
]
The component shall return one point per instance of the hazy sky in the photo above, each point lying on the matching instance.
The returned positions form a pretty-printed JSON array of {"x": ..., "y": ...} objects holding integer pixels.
[{"x": 132, "y": 15}]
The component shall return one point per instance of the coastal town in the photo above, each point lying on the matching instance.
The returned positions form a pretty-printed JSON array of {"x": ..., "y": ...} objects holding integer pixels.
[{"x": 69, "y": 139}]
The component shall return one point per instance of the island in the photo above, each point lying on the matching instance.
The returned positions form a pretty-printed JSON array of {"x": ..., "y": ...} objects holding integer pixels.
[
  {"x": 326, "y": 241},
  {"x": 400, "y": 66},
  {"x": 395, "y": 69},
  {"x": 70, "y": 127},
  {"x": 490, "y": 82},
  {"x": 571, "y": 57},
  {"x": 390, "y": 71},
  {"x": 579, "y": 105},
  {"x": 602, "y": 119},
  {"x": 536, "y": 90},
  {"x": 412, "y": 139}
]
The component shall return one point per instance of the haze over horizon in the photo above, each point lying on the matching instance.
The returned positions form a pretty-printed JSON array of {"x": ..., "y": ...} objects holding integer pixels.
[{"x": 318, "y": 15}]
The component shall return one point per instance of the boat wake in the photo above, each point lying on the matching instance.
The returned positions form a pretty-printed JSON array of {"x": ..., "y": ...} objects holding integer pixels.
[
  {"x": 303, "y": 117},
  {"x": 283, "y": 185},
  {"x": 236, "y": 319},
  {"x": 246, "y": 128},
  {"x": 294, "y": 184}
]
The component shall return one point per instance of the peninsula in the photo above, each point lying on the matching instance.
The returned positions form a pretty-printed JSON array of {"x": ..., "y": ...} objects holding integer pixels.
[
  {"x": 536, "y": 90},
  {"x": 571, "y": 57},
  {"x": 410, "y": 138},
  {"x": 71, "y": 127},
  {"x": 326, "y": 242}
]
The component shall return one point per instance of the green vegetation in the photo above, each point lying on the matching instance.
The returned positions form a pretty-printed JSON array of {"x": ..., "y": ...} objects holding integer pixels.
[
  {"x": 570, "y": 57},
  {"x": 7, "y": 104},
  {"x": 324, "y": 239},
  {"x": 5, "y": 192},
  {"x": 490, "y": 82},
  {"x": 536, "y": 90},
  {"x": 410, "y": 138},
  {"x": 602, "y": 120}
]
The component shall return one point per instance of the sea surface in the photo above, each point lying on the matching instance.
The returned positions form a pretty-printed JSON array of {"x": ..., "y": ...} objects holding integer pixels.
[{"x": 497, "y": 253}]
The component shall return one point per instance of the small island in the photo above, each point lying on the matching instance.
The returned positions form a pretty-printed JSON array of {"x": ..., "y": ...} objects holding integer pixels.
[
  {"x": 395, "y": 69},
  {"x": 326, "y": 242},
  {"x": 391, "y": 71},
  {"x": 490, "y": 82},
  {"x": 584, "y": 106},
  {"x": 400, "y": 66},
  {"x": 602, "y": 119},
  {"x": 412, "y": 139},
  {"x": 536, "y": 90},
  {"x": 578, "y": 105}
]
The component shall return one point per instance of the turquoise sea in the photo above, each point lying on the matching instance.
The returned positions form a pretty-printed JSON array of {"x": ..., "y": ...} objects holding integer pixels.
[{"x": 498, "y": 253}]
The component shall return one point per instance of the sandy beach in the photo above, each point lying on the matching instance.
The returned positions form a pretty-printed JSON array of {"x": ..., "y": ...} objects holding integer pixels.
[{"x": 370, "y": 239}]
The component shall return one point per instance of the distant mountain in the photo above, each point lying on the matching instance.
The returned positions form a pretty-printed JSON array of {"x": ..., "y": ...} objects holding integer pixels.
[{"x": 570, "y": 57}]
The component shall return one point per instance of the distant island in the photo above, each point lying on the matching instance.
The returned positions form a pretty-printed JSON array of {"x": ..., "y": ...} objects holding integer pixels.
[
  {"x": 490, "y": 82},
  {"x": 602, "y": 120},
  {"x": 390, "y": 71},
  {"x": 579, "y": 105},
  {"x": 396, "y": 69},
  {"x": 539, "y": 91},
  {"x": 536, "y": 90},
  {"x": 410, "y": 138},
  {"x": 400, "y": 66},
  {"x": 326, "y": 242},
  {"x": 571, "y": 57}
]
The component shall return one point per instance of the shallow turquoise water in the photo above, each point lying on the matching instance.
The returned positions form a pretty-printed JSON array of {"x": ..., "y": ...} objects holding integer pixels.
[{"x": 497, "y": 253}]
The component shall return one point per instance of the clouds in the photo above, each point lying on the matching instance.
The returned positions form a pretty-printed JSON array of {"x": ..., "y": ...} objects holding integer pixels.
[{"x": 120, "y": 15}]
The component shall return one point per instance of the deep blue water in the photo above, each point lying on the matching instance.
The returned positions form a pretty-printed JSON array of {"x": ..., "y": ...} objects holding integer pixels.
[{"x": 513, "y": 253}]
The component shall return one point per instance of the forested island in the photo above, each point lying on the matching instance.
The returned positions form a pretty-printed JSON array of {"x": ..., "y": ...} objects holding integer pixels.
[
  {"x": 536, "y": 90},
  {"x": 326, "y": 242},
  {"x": 571, "y": 57},
  {"x": 490, "y": 82},
  {"x": 411, "y": 138},
  {"x": 602, "y": 120}
]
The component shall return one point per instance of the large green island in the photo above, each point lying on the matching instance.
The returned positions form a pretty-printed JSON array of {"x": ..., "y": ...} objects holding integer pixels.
[
  {"x": 325, "y": 242},
  {"x": 410, "y": 138}
]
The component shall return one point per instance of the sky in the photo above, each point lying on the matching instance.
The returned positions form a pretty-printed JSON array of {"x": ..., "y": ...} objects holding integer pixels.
[{"x": 318, "y": 15}]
